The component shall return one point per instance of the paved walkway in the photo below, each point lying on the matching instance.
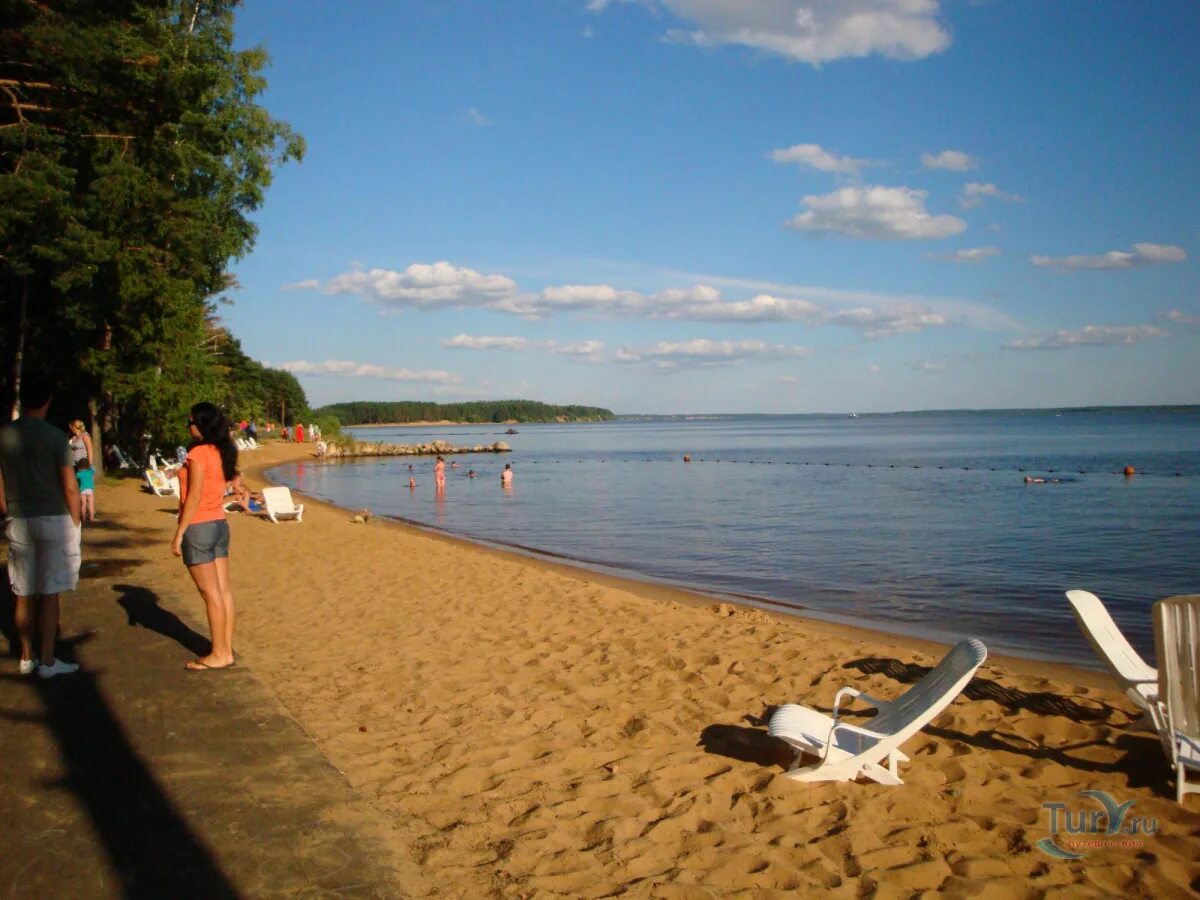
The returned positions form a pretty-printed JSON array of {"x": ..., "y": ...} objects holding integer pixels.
[{"x": 135, "y": 778}]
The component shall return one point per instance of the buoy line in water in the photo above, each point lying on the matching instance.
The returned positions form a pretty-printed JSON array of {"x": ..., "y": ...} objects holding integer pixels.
[{"x": 1058, "y": 473}]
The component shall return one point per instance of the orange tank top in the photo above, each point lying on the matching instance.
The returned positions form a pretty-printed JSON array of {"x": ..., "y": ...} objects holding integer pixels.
[{"x": 212, "y": 487}]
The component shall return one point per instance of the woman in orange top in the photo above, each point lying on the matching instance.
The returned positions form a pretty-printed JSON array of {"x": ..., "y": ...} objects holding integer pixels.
[{"x": 202, "y": 537}]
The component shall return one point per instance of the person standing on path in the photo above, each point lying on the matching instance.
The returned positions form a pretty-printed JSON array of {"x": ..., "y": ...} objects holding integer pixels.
[
  {"x": 85, "y": 467},
  {"x": 39, "y": 493},
  {"x": 202, "y": 536}
]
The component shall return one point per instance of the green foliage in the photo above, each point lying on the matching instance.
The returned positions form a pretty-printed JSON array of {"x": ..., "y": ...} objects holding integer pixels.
[
  {"x": 364, "y": 412},
  {"x": 132, "y": 153}
]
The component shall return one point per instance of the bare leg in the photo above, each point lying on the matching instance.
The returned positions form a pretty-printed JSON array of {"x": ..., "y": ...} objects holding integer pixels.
[
  {"x": 223, "y": 583},
  {"x": 88, "y": 506},
  {"x": 24, "y": 620},
  {"x": 48, "y": 626},
  {"x": 205, "y": 576}
]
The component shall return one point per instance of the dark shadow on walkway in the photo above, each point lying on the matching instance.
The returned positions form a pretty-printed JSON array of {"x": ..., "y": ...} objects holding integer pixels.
[
  {"x": 141, "y": 608},
  {"x": 153, "y": 851}
]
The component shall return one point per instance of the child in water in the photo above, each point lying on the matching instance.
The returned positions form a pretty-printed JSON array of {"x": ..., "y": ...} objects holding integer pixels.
[{"x": 507, "y": 475}]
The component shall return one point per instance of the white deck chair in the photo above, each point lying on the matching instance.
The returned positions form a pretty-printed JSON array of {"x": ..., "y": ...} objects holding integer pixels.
[
  {"x": 1137, "y": 680},
  {"x": 253, "y": 444},
  {"x": 160, "y": 484},
  {"x": 846, "y": 751},
  {"x": 1177, "y": 645},
  {"x": 279, "y": 505}
]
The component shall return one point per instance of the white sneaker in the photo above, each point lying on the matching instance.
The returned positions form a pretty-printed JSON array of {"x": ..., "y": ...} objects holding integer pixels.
[
  {"x": 29, "y": 666},
  {"x": 58, "y": 667}
]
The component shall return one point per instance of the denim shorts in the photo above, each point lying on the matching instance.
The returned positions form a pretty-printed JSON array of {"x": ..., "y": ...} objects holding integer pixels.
[
  {"x": 43, "y": 555},
  {"x": 205, "y": 542}
]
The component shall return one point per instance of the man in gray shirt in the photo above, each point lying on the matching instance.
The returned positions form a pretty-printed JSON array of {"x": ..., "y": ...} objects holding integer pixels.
[{"x": 39, "y": 494}]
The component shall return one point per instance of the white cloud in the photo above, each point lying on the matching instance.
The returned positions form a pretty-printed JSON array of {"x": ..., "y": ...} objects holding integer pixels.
[
  {"x": 950, "y": 160},
  {"x": 443, "y": 285},
  {"x": 967, "y": 255},
  {"x": 308, "y": 284},
  {"x": 704, "y": 352},
  {"x": 601, "y": 298},
  {"x": 704, "y": 304},
  {"x": 1178, "y": 317},
  {"x": 974, "y": 194},
  {"x": 1140, "y": 256},
  {"x": 875, "y": 213},
  {"x": 817, "y": 157},
  {"x": 587, "y": 350},
  {"x": 347, "y": 369},
  {"x": 929, "y": 365},
  {"x": 875, "y": 323},
  {"x": 475, "y": 117},
  {"x": 1090, "y": 335},
  {"x": 467, "y": 342},
  {"x": 421, "y": 285},
  {"x": 813, "y": 31}
]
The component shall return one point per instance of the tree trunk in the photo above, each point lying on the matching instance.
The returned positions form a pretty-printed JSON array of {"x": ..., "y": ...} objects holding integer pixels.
[{"x": 19, "y": 356}]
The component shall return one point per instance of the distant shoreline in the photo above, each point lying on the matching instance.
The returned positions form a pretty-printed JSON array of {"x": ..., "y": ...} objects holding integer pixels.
[{"x": 420, "y": 424}]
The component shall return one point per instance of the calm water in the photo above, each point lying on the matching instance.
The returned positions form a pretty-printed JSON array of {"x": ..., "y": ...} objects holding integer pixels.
[{"x": 916, "y": 523}]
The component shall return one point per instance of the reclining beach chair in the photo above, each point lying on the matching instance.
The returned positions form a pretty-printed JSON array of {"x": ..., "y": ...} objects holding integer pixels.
[
  {"x": 846, "y": 751},
  {"x": 279, "y": 505},
  {"x": 1177, "y": 645},
  {"x": 160, "y": 484},
  {"x": 1137, "y": 680}
]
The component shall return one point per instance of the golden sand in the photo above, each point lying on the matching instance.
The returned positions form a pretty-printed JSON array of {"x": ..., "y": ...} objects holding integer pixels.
[{"x": 524, "y": 728}]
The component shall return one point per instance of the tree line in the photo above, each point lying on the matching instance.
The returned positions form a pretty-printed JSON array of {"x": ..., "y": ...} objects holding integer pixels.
[
  {"x": 132, "y": 154},
  {"x": 365, "y": 412}
]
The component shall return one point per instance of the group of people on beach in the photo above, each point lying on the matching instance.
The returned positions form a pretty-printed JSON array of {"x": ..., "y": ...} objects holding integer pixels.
[{"x": 47, "y": 489}]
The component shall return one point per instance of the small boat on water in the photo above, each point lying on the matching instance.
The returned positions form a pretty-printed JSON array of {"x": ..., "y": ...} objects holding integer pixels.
[{"x": 512, "y": 431}]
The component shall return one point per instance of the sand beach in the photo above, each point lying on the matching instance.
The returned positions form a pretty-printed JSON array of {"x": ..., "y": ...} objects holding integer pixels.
[{"x": 521, "y": 728}]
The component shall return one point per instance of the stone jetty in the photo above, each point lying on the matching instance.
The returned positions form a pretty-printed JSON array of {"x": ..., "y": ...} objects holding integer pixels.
[{"x": 352, "y": 449}]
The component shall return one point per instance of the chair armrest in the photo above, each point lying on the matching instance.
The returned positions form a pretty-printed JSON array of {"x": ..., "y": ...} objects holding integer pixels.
[{"x": 854, "y": 693}]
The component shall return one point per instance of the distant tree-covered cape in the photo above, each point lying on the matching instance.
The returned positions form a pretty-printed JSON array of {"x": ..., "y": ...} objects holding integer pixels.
[{"x": 378, "y": 413}]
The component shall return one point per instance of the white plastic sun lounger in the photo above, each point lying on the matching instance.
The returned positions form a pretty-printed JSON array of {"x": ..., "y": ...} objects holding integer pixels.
[
  {"x": 160, "y": 484},
  {"x": 1177, "y": 644},
  {"x": 1136, "y": 679},
  {"x": 846, "y": 751},
  {"x": 279, "y": 505}
]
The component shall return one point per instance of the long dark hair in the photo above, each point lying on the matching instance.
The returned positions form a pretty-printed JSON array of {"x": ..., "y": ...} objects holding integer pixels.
[{"x": 214, "y": 429}]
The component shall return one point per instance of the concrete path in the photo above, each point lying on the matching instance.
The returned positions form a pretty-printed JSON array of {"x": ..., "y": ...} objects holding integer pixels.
[{"x": 135, "y": 778}]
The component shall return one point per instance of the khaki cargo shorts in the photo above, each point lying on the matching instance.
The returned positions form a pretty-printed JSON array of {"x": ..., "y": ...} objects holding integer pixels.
[{"x": 43, "y": 555}]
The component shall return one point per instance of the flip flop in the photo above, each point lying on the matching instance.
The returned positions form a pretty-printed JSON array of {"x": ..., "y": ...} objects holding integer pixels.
[{"x": 196, "y": 666}]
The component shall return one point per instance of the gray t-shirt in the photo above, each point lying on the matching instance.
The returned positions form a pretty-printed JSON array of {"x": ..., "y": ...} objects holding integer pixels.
[{"x": 31, "y": 456}]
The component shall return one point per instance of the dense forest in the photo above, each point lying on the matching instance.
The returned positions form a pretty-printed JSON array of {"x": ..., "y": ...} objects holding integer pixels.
[
  {"x": 376, "y": 413},
  {"x": 132, "y": 153}
]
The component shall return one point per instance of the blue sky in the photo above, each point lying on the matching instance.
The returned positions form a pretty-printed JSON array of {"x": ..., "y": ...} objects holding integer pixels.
[{"x": 704, "y": 206}]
